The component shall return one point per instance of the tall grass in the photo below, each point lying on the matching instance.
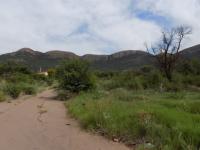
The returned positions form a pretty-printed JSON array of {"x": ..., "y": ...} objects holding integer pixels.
[
  {"x": 16, "y": 80},
  {"x": 163, "y": 120}
]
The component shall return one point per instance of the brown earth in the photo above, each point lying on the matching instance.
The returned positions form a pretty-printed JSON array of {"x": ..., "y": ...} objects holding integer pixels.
[{"x": 41, "y": 123}]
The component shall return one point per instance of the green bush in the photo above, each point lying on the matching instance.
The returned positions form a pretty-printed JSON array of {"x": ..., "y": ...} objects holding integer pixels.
[
  {"x": 2, "y": 96},
  {"x": 74, "y": 76},
  {"x": 191, "y": 67},
  {"x": 20, "y": 77},
  {"x": 9, "y": 68},
  {"x": 153, "y": 79},
  {"x": 105, "y": 75},
  {"x": 28, "y": 89},
  {"x": 122, "y": 95},
  {"x": 12, "y": 90},
  {"x": 173, "y": 87},
  {"x": 64, "y": 95},
  {"x": 129, "y": 80},
  {"x": 52, "y": 73}
]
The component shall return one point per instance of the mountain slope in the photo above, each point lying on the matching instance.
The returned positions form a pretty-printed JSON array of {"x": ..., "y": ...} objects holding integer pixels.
[
  {"x": 119, "y": 61},
  {"x": 124, "y": 60},
  {"x": 191, "y": 53},
  {"x": 36, "y": 60}
]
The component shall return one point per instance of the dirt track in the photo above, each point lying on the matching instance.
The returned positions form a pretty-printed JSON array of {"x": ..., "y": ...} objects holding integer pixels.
[{"x": 40, "y": 123}]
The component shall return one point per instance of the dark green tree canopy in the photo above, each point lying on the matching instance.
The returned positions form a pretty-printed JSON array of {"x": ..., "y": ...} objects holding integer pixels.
[{"x": 75, "y": 76}]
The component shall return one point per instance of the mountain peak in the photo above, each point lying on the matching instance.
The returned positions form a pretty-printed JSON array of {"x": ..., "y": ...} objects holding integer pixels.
[{"x": 29, "y": 50}]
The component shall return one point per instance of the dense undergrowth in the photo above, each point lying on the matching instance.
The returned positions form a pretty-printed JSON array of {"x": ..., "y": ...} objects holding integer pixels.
[
  {"x": 143, "y": 109},
  {"x": 16, "y": 80},
  {"x": 165, "y": 120}
]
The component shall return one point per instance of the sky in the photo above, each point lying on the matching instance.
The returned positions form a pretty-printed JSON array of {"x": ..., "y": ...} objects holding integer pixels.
[{"x": 93, "y": 26}]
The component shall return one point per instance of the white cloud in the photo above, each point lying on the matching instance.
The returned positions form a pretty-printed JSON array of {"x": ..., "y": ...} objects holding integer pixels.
[
  {"x": 180, "y": 12},
  {"x": 105, "y": 25}
]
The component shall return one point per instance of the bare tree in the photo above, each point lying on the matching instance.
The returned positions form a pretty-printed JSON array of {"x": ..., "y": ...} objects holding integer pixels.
[{"x": 167, "y": 49}]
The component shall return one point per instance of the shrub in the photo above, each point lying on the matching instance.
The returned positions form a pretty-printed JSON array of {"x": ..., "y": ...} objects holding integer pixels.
[
  {"x": 12, "y": 90},
  {"x": 153, "y": 79},
  {"x": 8, "y": 68},
  {"x": 105, "y": 75},
  {"x": 19, "y": 77},
  {"x": 173, "y": 87},
  {"x": 51, "y": 73},
  {"x": 28, "y": 89},
  {"x": 129, "y": 80},
  {"x": 192, "y": 80},
  {"x": 74, "y": 76},
  {"x": 64, "y": 95},
  {"x": 189, "y": 67},
  {"x": 122, "y": 95},
  {"x": 39, "y": 77},
  {"x": 147, "y": 69},
  {"x": 175, "y": 95},
  {"x": 2, "y": 96}
]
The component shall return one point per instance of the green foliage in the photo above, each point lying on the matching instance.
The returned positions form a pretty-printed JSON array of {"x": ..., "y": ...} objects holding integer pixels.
[
  {"x": 52, "y": 73},
  {"x": 153, "y": 79},
  {"x": 128, "y": 80},
  {"x": 2, "y": 96},
  {"x": 16, "y": 79},
  {"x": 10, "y": 68},
  {"x": 12, "y": 90},
  {"x": 105, "y": 75},
  {"x": 136, "y": 80},
  {"x": 164, "y": 120},
  {"x": 28, "y": 89},
  {"x": 189, "y": 67},
  {"x": 64, "y": 95},
  {"x": 172, "y": 86},
  {"x": 74, "y": 76}
]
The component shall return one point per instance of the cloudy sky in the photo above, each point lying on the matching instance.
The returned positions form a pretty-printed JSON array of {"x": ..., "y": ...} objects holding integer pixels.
[{"x": 92, "y": 26}]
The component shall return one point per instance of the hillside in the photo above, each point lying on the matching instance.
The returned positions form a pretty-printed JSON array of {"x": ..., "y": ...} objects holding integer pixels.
[
  {"x": 119, "y": 61},
  {"x": 191, "y": 52},
  {"x": 122, "y": 60},
  {"x": 36, "y": 60}
]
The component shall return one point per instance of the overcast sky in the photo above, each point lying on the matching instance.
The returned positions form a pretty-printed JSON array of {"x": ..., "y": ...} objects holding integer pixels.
[{"x": 92, "y": 26}]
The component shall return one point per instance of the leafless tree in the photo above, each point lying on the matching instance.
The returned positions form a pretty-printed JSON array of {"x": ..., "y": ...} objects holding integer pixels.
[{"x": 167, "y": 49}]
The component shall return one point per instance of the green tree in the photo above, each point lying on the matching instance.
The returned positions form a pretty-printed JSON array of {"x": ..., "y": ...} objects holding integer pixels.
[{"x": 75, "y": 76}]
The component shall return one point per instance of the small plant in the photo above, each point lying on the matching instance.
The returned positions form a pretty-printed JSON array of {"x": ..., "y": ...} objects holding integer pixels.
[
  {"x": 64, "y": 95},
  {"x": 12, "y": 90},
  {"x": 2, "y": 96},
  {"x": 173, "y": 86},
  {"x": 29, "y": 90}
]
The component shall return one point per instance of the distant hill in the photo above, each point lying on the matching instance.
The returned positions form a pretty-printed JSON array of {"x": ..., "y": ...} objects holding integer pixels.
[
  {"x": 123, "y": 60},
  {"x": 36, "y": 60},
  {"x": 191, "y": 53}
]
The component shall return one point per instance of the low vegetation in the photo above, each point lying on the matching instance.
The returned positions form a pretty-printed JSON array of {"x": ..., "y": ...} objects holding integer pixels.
[
  {"x": 16, "y": 79},
  {"x": 165, "y": 121},
  {"x": 143, "y": 109},
  {"x": 74, "y": 76}
]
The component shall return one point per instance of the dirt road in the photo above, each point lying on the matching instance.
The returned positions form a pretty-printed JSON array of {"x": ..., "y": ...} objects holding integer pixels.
[{"x": 40, "y": 123}]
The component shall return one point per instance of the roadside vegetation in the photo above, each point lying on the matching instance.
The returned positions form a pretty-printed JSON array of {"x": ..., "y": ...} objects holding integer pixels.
[
  {"x": 140, "y": 108},
  {"x": 16, "y": 80},
  {"x": 73, "y": 77}
]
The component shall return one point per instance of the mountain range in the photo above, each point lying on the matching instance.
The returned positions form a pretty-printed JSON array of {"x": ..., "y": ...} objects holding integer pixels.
[{"x": 123, "y": 60}]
